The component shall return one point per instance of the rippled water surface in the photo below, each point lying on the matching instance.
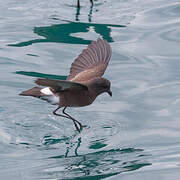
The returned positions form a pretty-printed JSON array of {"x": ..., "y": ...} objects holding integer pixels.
[{"x": 133, "y": 135}]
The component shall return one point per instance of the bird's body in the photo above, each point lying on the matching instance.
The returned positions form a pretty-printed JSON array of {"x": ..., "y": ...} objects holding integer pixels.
[{"x": 83, "y": 84}]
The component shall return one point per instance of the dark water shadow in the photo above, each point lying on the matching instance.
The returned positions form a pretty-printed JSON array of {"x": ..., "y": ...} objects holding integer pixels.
[
  {"x": 42, "y": 75},
  {"x": 63, "y": 33},
  {"x": 98, "y": 165},
  {"x": 73, "y": 164}
]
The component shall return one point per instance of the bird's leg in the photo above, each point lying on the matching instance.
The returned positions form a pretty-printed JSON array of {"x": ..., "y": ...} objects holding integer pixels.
[
  {"x": 54, "y": 112},
  {"x": 81, "y": 126},
  {"x": 74, "y": 121}
]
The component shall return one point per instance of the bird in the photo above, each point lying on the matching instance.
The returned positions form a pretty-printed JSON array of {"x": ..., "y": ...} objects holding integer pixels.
[
  {"x": 83, "y": 84},
  {"x": 78, "y": 3}
]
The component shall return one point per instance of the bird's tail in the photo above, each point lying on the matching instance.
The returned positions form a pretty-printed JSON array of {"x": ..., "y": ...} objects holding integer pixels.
[
  {"x": 43, "y": 93},
  {"x": 35, "y": 92}
]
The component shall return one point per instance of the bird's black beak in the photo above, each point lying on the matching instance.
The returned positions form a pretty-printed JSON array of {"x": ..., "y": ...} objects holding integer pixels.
[{"x": 109, "y": 92}]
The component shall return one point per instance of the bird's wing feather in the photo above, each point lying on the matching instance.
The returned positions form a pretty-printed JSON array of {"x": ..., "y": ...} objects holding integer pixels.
[
  {"x": 92, "y": 62},
  {"x": 60, "y": 85}
]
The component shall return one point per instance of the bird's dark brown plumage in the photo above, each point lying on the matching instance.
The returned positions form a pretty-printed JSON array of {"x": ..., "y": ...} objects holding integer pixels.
[{"x": 83, "y": 84}]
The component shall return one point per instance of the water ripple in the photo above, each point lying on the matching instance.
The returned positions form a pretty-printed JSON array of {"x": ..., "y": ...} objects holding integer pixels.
[
  {"x": 136, "y": 130},
  {"x": 99, "y": 164},
  {"x": 164, "y": 15},
  {"x": 171, "y": 35}
]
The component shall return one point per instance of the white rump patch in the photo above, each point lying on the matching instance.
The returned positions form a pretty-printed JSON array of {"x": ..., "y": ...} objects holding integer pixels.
[
  {"x": 47, "y": 91},
  {"x": 49, "y": 96}
]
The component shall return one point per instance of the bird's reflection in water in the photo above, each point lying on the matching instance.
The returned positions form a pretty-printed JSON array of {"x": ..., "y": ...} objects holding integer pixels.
[
  {"x": 98, "y": 164},
  {"x": 77, "y": 13},
  {"x": 65, "y": 33},
  {"x": 78, "y": 3},
  {"x": 78, "y": 8},
  {"x": 74, "y": 145}
]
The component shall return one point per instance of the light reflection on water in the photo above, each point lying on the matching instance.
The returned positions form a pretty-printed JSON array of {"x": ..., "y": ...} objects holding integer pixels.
[{"x": 136, "y": 129}]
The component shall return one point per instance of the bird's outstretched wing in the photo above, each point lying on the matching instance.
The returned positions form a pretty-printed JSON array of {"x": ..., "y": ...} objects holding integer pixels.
[
  {"x": 92, "y": 62},
  {"x": 60, "y": 85}
]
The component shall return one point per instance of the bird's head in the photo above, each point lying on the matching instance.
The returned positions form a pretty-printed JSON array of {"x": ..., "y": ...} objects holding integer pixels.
[{"x": 102, "y": 85}]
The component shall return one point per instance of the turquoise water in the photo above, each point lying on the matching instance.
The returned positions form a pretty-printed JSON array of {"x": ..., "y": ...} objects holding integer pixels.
[{"x": 133, "y": 135}]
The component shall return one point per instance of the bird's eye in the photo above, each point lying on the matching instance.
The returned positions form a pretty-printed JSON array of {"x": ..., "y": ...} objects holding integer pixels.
[{"x": 104, "y": 86}]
